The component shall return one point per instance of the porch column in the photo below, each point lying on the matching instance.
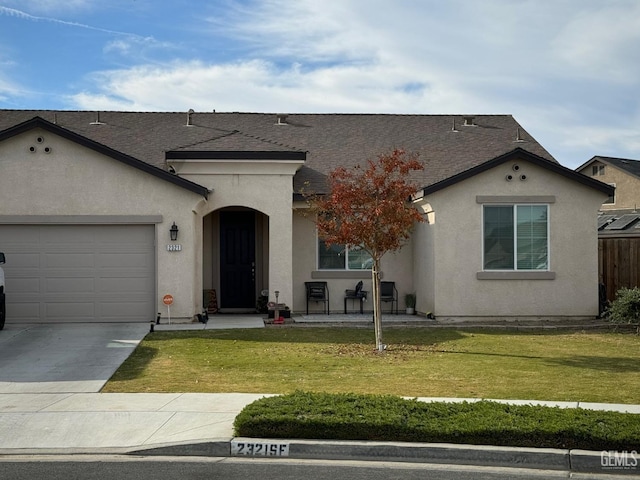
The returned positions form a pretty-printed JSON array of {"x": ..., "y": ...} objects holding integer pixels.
[{"x": 281, "y": 256}]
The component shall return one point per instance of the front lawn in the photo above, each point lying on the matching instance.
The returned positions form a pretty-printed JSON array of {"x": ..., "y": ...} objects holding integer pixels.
[{"x": 569, "y": 366}]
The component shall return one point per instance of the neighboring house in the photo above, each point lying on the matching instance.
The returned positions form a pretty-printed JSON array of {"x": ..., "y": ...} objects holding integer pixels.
[
  {"x": 623, "y": 174},
  {"x": 618, "y": 222},
  {"x": 89, "y": 201}
]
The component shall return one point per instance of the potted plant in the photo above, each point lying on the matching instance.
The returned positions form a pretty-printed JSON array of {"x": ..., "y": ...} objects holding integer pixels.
[{"x": 410, "y": 303}]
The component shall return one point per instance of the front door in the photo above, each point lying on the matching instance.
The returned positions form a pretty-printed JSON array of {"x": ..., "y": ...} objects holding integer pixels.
[{"x": 237, "y": 260}]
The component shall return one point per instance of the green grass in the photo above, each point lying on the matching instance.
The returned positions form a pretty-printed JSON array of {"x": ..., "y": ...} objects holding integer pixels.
[{"x": 569, "y": 366}]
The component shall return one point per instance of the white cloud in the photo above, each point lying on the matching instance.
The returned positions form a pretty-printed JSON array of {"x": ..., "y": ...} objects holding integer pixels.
[
  {"x": 254, "y": 85},
  {"x": 49, "y": 6},
  {"x": 603, "y": 42},
  {"x": 26, "y": 16},
  {"x": 568, "y": 70}
]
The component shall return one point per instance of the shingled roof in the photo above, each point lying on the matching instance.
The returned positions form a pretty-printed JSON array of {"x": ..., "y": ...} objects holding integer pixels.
[
  {"x": 626, "y": 164},
  {"x": 445, "y": 144}
]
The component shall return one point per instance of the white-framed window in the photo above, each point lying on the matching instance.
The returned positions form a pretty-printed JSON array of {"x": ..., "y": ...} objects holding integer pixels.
[
  {"x": 612, "y": 199},
  {"x": 597, "y": 170},
  {"x": 341, "y": 257},
  {"x": 516, "y": 237}
]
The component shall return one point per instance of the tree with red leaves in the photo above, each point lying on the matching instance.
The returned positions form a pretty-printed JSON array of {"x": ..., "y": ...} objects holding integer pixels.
[{"x": 370, "y": 207}]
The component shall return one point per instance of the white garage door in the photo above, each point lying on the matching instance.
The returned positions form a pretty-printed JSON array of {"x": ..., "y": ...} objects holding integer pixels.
[{"x": 79, "y": 273}]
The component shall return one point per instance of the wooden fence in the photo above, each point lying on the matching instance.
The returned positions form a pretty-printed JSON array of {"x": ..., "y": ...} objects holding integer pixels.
[{"x": 619, "y": 263}]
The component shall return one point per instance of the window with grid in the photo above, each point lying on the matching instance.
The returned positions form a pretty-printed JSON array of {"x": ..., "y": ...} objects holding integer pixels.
[
  {"x": 516, "y": 237},
  {"x": 341, "y": 257}
]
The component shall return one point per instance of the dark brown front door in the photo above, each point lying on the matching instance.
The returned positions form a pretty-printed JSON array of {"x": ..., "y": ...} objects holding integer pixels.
[{"x": 237, "y": 260}]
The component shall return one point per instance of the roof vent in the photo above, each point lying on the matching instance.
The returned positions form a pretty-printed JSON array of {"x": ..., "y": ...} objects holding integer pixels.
[
  {"x": 97, "y": 122},
  {"x": 518, "y": 136},
  {"x": 189, "y": 113},
  {"x": 453, "y": 127},
  {"x": 281, "y": 119},
  {"x": 468, "y": 122}
]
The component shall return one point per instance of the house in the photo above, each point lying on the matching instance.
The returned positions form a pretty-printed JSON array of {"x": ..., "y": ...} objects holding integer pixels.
[
  {"x": 103, "y": 214},
  {"x": 623, "y": 174},
  {"x": 618, "y": 222}
]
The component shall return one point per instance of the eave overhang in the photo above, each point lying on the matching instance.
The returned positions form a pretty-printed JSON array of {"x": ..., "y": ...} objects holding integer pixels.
[{"x": 292, "y": 156}]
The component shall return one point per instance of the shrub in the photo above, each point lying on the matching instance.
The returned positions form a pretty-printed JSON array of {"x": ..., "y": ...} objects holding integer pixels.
[
  {"x": 626, "y": 307},
  {"x": 304, "y": 415}
]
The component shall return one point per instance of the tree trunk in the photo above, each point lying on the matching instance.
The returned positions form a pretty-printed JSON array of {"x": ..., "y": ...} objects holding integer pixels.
[{"x": 377, "y": 311}]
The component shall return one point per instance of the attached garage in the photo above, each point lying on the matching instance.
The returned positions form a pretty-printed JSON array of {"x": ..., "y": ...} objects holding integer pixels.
[{"x": 79, "y": 272}]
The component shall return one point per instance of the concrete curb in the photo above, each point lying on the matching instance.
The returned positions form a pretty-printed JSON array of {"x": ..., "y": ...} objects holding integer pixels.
[
  {"x": 578, "y": 461},
  {"x": 581, "y": 461}
]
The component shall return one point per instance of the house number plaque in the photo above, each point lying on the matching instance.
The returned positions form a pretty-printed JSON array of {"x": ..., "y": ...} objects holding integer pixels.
[
  {"x": 174, "y": 248},
  {"x": 260, "y": 449}
]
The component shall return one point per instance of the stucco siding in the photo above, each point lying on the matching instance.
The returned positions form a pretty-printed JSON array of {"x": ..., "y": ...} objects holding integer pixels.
[
  {"x": 265, "y": 192},
  {"x": 424, "y": 261},
  {"x": 396, "y": 266},
  {"x": 573, "y": 248},
  {"x": 72, "y": 180}
]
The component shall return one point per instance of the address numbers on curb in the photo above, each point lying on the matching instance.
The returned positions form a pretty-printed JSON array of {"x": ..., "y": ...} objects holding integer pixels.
[{"x": 260, "y": 449}]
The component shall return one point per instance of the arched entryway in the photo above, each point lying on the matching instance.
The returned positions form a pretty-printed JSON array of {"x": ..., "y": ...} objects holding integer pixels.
[{"x": 235, "y": 260}]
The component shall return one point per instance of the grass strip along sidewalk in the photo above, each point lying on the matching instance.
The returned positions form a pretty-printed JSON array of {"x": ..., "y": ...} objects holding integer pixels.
[
  {"x": 304, "y": 415},
  {"x": 419, "y": 362}
]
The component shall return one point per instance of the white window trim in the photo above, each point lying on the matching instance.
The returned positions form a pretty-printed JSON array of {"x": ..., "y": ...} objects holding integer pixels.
[{"x": 505, "y": 274}]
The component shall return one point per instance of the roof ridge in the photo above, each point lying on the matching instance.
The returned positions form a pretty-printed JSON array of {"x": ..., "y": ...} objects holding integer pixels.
[
  {"x": 177, "y": 112},
  {"x": 617, "y": 158},
  {"x": 266, "y": 140},
  {"x": 227, "y": 133}
]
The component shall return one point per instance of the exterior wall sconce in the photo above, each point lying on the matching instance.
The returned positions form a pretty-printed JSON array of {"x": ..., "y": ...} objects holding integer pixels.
[{"x": 173, "y": 232}]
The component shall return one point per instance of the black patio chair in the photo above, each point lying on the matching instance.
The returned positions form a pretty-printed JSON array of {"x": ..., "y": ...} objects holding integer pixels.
[
  {"x": 317, "y": 292},
  {"x": 357, "y": 294},
  {"x": 388, "y": 293}
]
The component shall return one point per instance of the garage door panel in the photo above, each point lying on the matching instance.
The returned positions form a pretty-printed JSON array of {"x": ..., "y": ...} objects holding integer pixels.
[
  {"x": 25, "y": 285},
  {"x": 24, "y": 311},
  {"x": 79, "y": 272},
  {"x": 70, "y": 286},
  {"x": 25, "y": 260},
  {"x": 65, "y": 235},
  {"x": 114, "y": 235},
  {"x": 65, "y": 260},
  {"x": 123, "y": 259},
  {"x": 116, "y": 310},
  {"x": 124, "y": 285},
  {"x": 68, "y": 311}
]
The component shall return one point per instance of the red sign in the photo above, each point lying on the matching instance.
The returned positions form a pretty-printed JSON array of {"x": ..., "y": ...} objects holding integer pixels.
[{"x": 167, "y": 299}]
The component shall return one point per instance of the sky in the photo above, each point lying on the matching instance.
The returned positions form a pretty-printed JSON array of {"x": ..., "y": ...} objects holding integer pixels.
[{"x": 567, "y": 70}]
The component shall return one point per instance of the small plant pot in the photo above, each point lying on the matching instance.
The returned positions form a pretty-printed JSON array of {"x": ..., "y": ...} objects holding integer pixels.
[{"x": 410, "y": 311}]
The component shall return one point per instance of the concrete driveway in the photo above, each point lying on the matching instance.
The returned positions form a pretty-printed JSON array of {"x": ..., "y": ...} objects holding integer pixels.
[{"x": 64, "y": 358}]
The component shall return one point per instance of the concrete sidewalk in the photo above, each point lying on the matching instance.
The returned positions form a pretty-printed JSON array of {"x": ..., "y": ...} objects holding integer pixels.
[
  {"x": 201, "y": 424},
  {"x": 110, "y": 420}
]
